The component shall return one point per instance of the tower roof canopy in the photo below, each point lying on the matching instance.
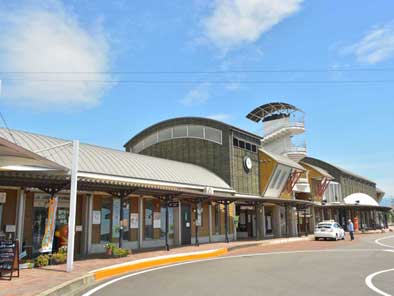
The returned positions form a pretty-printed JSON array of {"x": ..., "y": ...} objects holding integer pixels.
[{"x": 268, "y": 109}]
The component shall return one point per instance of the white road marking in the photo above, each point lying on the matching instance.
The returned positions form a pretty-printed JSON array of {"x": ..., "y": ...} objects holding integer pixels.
[
  {"x": 368, "y": 282},
  {"x": 91, "y": 292},
  {"x": 377, "y": 241}
]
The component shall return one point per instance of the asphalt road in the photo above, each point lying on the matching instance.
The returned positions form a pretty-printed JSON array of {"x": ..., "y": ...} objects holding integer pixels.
[{"x": 339, "y": 271}]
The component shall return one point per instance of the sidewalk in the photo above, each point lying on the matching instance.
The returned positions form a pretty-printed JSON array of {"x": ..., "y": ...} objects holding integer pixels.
[{"x": 37, "y": 280}]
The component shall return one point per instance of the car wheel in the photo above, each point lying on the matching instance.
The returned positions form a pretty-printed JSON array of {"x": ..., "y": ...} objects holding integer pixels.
[
  {"x": 336, "y": 237},
  {"x": 316, "y": 238}
]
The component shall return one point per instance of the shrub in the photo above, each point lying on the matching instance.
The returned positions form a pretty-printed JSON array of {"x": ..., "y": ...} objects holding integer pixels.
[
  {"x": 42, "y": 260},
  {"x": 119, "y": 252},
  {"x": 58, "y": 258}
]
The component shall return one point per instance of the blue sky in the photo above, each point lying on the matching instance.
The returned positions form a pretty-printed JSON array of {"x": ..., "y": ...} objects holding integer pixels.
[{"x": 350, "y": 124}]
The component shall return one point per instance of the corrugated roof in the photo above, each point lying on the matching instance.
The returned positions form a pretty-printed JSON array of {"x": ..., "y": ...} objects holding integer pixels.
[
  {"x": 308, "y": 159},
  {"x": 106, "y": 161},
  {"x": 321, "y": 171},
  {"x": 283, "y": 160}
]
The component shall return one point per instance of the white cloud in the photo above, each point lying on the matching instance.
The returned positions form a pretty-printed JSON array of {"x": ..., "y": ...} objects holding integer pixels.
[
  {"x": 235, "y": 22},
  {"x": 220, "y": 117},
  {"x": 50, "y": 39},
  {"x": 198, "y": 95},
  {"x": 376, "y": 46}
]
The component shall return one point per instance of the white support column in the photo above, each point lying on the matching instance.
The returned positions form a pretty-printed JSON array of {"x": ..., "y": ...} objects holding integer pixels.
[
  {"x": 234, "y": 226},
  {"x": 210, "y": 221},
  {"x": 73, "y": 206},
  {"x": 277, "y": 221},
  {"x": 180, "y": 222},
  {"x": 20, "y": 214},
  {"x": 263, "y": 226},
  {"x": 140, "y": 221}
]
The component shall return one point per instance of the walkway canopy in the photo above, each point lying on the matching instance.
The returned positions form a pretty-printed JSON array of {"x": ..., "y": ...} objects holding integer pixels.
[{"x": 99, "y": 167}]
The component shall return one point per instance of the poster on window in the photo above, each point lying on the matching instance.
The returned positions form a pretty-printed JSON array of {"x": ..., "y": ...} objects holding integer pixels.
[
  {"x": 47, "y": 240},
  {"x": 96, "y": 218},
  {"x": 156, "y": 220},
  {"x": 134, "y": 220}
]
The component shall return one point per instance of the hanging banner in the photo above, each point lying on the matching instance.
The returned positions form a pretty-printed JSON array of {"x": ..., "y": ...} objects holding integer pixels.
[
  {"x": 115, "y": 217},
  {"x": 47, "y": 240}
]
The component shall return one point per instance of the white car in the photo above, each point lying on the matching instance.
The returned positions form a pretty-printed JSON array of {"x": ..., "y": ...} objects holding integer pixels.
[{"x": 329, "y": 230}]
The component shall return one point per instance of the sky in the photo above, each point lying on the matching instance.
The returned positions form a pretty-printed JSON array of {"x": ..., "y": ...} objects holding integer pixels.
[{"x": 102, "y": 71}]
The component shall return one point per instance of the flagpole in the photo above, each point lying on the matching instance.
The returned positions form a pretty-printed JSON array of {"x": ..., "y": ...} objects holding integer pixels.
[{"x": 73, "y": 205}]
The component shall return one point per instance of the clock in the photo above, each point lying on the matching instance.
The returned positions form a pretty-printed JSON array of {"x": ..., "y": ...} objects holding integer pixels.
[{"x": 247, "y": 163}]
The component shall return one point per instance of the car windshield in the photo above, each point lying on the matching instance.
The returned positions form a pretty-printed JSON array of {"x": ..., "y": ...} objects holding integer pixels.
[{"x": 324, "y": 225}]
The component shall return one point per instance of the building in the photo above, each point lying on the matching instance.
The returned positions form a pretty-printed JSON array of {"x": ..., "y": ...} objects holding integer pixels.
[{"x": 181, "y": 181}]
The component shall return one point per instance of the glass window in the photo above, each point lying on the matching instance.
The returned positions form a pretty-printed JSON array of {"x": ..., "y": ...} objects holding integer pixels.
[
  {"x": 138, "y": 147},
  {"x": 280, "y": 183},
  {"x": 213, "y": 134},
  {"x": 241, "y": 144},
  {"x": 165, "y": 134},
  {"x": 150, "y": 140},
  {"x": 275, "y": 179},
  {"x": 105, "y": 224},
  {"x": 235, "y": 142},
  {"x": 254, "y": 148},
  {"x": 148, "y": 219},
  {"x": 196, "y": 131},
  {"x": 180, "y": 131},
  {"x": 163, "y": 221},
  {"x": 248, "y": 146}
]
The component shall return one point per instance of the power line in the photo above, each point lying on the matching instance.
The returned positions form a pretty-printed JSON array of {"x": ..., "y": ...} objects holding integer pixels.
[
  {"x": 8, "y": 129},
  {"x": 382, "y": 81},
  {"x": 294, "y": 70}
]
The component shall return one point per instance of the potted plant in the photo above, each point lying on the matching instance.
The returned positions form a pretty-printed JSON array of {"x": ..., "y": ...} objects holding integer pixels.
[{"x": 109, "y": 247}]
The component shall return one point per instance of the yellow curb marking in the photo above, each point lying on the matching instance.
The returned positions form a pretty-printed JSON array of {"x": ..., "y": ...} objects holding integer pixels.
[{"x": 112, "y": 271}]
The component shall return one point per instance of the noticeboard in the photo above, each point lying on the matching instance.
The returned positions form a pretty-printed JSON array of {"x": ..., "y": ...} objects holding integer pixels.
[{"x": 9, "y": 258}]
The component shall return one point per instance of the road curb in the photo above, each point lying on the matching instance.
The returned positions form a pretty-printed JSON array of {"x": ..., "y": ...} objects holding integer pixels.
[
  {"x": 70, "y": 287},
  {"x": 114, "y": 270},
  {"x": 272, "y": 242},
  {"x": 74, "y": 286}
]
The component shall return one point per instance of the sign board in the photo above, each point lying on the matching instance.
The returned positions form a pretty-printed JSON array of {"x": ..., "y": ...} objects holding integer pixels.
[
  {"x": 3, "y": 197},
  {"x": 9, "y": 258},
  {"x": 251, "y": 208},
  {"x": 173, "y": 204},
  {"x": 96, "y": 217},
  {"x": 78, "y": 228},
  {"x": 134, "y": 217},
  {"x": 156, "y": 220},
  {"x": 10, "y": 228}
]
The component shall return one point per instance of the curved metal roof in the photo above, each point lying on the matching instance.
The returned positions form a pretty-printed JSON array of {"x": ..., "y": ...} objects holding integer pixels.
[
  {"x": 361, "y": 199},
  {"x": 105, "y": 161},
  {"x": 267, "y": 109},
  {"x": 185, "y": 120}
]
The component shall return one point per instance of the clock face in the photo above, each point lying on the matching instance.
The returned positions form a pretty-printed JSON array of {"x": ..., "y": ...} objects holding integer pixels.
[{"x": 247, "y": 163}]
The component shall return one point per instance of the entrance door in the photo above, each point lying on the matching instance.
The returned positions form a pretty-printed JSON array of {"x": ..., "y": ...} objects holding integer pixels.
[{"x": 186, "y": 225}]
